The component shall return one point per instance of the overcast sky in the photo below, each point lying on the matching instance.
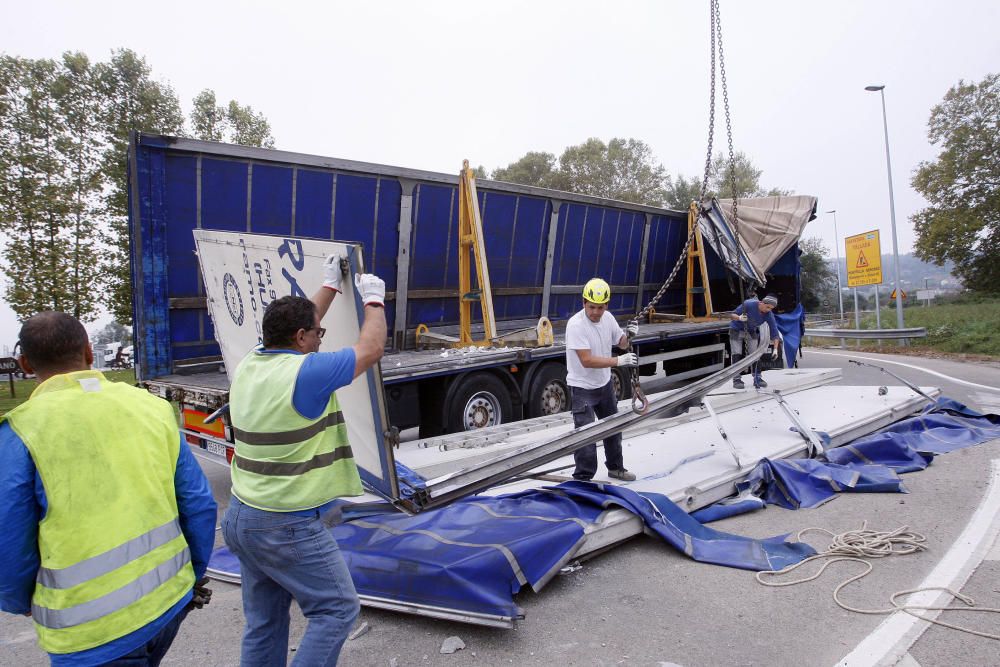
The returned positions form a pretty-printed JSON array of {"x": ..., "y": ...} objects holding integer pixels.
[{"x": 426, "y": 84}]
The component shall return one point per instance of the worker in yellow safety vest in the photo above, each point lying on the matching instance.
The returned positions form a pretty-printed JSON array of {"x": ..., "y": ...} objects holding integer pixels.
[
  {"x": 292, "y": 460},
  {"x": 108, "y": 521}
]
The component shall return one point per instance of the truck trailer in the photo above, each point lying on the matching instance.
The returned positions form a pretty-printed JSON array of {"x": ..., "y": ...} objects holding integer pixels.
[{"x": 541, "y": 246}]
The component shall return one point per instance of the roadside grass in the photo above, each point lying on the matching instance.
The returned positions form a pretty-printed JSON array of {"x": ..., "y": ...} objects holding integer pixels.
[
  {"x": 23, "y": 388},
  {"x": 964, "y": 326}
]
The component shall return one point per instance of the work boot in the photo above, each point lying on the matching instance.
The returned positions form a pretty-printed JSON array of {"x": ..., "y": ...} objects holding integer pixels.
[
  {"x": 738, "y": 383},
  {"x": 760, "y": 383},
  {"x": 623, "y": 475}
]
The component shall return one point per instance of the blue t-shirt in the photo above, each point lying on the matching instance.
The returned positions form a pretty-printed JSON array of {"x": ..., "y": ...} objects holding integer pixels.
[{"x": 755, "y": 318}]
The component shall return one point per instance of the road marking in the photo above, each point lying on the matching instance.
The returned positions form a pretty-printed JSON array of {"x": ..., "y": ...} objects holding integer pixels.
[
  {"x": 908, "y": 661},
  {"x": 918, "y": 368},
  {"x": 894, "y": 636}
]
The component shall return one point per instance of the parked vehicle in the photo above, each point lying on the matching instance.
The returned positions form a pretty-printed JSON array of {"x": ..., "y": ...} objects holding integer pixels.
[{"x": 542, "y": 246}]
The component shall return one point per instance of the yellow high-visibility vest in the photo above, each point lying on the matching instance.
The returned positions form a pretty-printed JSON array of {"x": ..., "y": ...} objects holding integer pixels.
[
  {"x": 283, "y": 461},
  {"x": 113, "y": 557}
]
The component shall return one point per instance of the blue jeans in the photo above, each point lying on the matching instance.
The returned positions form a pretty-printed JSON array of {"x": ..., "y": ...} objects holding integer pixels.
[
  {"x": 586, "y": 404},
  {"x": 151, "y": 653},
  {"x": 284, "y": 556}
]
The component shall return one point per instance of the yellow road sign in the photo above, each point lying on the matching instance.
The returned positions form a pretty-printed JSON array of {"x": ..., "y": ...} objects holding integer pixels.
[
  {"x": 893, "y": 295},
  {"x": 864, "y": 259}
]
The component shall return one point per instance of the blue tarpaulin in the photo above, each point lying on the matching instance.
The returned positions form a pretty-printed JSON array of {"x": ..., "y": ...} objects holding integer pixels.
[
  {"x": 476, "y": 553},
  {"x": 791, "y": 326},
  {"x": 869, "y": 464}
]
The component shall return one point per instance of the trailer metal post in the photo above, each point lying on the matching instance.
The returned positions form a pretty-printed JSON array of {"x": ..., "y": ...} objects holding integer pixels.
[
  {"x": 403, "y": 261},
  {"x": 550, "y": 253},
  {"x": 642, "y": 261}
]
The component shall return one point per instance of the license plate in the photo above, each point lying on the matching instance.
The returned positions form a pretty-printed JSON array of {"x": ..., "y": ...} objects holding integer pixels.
[{"x": 216, "y": 448}]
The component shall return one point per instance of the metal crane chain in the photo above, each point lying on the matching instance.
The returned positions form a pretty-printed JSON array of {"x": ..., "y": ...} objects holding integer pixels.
[{"x": 639, "y": 401}]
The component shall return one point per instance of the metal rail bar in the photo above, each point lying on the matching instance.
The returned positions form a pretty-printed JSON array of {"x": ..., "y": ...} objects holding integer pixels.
[
  {"x": 491, "y": 472},
  {"x": 868, "y": 334}
]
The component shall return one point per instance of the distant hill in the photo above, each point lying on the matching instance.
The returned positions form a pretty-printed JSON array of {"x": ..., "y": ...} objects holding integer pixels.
[{"x": 912, "y": 272}]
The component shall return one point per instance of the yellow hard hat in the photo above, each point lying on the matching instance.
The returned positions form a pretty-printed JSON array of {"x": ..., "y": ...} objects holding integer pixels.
[{"x": 596, "y": 291}]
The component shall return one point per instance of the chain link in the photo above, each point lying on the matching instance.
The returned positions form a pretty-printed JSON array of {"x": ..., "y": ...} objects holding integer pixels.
[{"x": 716, "y": 35}]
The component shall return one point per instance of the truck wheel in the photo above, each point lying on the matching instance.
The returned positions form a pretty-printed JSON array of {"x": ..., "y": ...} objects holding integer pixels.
[
  {"x": 479, "y": 401},
  {"x": 621, "y": 380},
  {"x": 549, "y": 394}
]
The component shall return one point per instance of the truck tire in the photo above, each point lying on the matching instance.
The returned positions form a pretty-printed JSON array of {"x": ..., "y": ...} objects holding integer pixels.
[
  {"x": 548, "y": 394},
  {"x": 622, "y": 381},
  {"x": 479, "y": 400}
]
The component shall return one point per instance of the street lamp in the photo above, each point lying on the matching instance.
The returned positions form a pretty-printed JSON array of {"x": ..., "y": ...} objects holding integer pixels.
[
  {"x": 892, "y": 211},
  {"x": 836, "y": 245}
]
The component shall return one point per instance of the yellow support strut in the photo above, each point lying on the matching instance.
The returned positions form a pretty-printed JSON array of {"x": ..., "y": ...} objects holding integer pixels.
[
  {"x": 697, "y": 250},
  {"x": 470, "y": 240}
]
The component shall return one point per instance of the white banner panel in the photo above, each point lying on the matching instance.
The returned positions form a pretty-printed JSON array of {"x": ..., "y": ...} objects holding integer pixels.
[{"x": 243, "y": 273}]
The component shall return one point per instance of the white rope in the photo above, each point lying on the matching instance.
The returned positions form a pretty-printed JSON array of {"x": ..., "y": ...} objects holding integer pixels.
[{"x": 858, "y": 545}]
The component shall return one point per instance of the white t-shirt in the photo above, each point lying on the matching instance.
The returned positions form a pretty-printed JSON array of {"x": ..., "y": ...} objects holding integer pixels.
[{"x": 582, "y": 334}]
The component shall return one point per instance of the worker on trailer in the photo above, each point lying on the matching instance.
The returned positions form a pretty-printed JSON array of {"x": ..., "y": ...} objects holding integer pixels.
[
  {"x": 745, "y": 327},
  {"x": 590, "y": 335},
  {"x": 108, "y": 520},
  {"x": 292, "y": 460}
]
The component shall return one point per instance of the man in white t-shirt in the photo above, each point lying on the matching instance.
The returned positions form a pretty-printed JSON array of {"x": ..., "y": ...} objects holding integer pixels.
[{"x": 590, "y": 335}]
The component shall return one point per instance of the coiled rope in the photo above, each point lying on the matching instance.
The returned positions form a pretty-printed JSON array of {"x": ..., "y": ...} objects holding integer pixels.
[{"x": 858, "y": 545}]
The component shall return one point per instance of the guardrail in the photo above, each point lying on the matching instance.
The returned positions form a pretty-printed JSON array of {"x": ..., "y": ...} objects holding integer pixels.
[{"x": 867, "y": 334}]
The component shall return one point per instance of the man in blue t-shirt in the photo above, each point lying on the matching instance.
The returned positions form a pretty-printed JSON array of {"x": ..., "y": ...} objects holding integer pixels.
[{"x": 747, "y": 319}]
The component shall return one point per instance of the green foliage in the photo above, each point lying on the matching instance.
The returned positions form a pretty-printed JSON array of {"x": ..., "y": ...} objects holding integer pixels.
[
  {"x": 132, "y": 101},
  {"x": 962, "y": 186},
  {"x": 623, "y": 169},
  {"x": 819, "y": 282},
  {"x": 534, "y": 168},
  {"x": 681, "y": 191},
  {"x": 112, "y": 332},
  {"x": 64, "y": 131},
  {"x": 49, "y": 187},
  {"x": 963, "y": 326},
  {"x": 233, "y": 123}
]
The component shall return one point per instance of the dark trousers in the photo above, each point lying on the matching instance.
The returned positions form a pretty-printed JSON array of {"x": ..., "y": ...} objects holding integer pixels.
[
  {"x": 586, "y": 405},
  {"x": 151, "y": 653}
]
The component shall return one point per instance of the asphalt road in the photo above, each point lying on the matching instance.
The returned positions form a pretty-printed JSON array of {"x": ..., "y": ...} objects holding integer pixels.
[{"x": 644, "y": 604}]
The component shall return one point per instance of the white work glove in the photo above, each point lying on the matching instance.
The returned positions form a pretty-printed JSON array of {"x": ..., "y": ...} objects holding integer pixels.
[
  {"x": 371, "y": 288},
  {"x": 774, "y": 353},
  {"x": 632, "y": 330},
  {"x": 332, "y": 275},
  {"x": 628, "y": 359},
  {"x": 742, "y": 318}
]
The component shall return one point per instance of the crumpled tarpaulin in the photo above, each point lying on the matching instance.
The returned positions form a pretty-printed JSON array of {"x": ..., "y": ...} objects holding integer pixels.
[
  {"x": 791, "y": 326},
  {"x": 474, "y": 554},
  {"x": 869, "y": 464}
]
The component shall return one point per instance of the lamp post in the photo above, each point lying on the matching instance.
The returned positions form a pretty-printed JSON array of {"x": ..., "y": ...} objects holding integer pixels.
[
  {"x": 892, "y": 211},
  {"x": 836, "y": 246}
]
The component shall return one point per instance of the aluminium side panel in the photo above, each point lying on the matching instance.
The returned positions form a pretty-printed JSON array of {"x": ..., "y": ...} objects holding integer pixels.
[{"x": 243, "y": 273}]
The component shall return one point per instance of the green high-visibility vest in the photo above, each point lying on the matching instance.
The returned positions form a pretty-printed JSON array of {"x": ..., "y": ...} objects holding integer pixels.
[
  {"x": 113, "y": 557},
  {"x": 283, "y": 461}
]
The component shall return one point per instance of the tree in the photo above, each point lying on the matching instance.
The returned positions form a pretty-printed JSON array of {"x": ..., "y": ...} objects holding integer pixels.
[
  {"x": 623, "y": 169},
  {"x": 819, "y": 282},
  {"x": 962, "y": 186},
  {"x": 234, "y": 123},
  {"x": 112, "y": 332},
  {"x": 535, "y": 168},
  {"x": 133, "y": 102},
  {"x": 682, "y": 190},
  {"x": 47, "y": 189}
]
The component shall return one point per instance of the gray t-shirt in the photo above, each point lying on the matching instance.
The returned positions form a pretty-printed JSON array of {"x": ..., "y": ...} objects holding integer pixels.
[{"x": 582, "y": 334}]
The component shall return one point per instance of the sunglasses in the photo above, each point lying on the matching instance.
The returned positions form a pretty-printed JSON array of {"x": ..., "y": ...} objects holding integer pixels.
[{"x": 320, "y": 331}]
